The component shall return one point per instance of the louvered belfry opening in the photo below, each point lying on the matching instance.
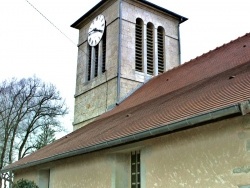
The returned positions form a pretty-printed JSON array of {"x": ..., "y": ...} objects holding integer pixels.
[
  {"x": 89, "y": 62},
  {"x": 150, "y": 49},
  {"x": 104, "y": 52},
  {"x": 160, "y": 40},
  {"x": 94, "y": 56},
  {"x": 139, "y": 45},
  {"x": 96, "y": 60}
]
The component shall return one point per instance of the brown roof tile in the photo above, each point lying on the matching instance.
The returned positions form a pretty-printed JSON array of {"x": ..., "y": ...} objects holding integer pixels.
[
  {"x": 214, "y": 80},
  {"x": 208, "y": 65}
]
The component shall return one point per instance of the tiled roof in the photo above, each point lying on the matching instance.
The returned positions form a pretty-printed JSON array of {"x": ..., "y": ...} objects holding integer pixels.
[{"x": 212, "y": 81}]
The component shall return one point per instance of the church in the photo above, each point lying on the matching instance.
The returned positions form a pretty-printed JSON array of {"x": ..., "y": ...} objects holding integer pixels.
[{"x": 143, "y": 120}]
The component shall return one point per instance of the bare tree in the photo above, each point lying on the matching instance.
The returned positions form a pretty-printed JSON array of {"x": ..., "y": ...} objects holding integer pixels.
[{"x": 27, "y": 106}]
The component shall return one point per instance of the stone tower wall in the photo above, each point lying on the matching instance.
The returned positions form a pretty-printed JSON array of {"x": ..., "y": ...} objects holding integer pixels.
[{"x": 94, "y": 97}]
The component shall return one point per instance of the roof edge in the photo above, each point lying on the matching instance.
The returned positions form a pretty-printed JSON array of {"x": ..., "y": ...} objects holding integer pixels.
[
  {"x": 77, "y": 22},
  {"x": 216, "y": 114},
  {"x": 216, "y": 48},
  {"x": 181, "y": 18}
]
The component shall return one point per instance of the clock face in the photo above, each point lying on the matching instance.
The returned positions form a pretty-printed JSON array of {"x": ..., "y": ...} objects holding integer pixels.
[{"x": 96, "y": 30}]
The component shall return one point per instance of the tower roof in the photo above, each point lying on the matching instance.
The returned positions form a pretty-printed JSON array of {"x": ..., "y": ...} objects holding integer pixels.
[
  {"x": 214, "y": 85},
  {"x": 147, "y": 3}
]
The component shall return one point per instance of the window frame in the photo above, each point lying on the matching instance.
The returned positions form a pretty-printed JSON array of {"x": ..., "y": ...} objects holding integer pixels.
[
  {"x": 150, "y": 49},
  {"x": 135, "y": 169},
  {"x": 161, "y": 49},
  {"x": 139, "y": 45}
]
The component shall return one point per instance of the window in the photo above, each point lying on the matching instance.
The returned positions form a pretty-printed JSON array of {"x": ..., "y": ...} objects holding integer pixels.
[
  {"x": 135, "y": 170},
  {"x": 89, "y": 62},
  {"x": 150, "y": 49},
  {"x": 104, "y": 52},
  {"x": 160, "y": 40},
  {"x": 96, "y": 60},
  {"x": 149, "y": 55},
  {"x": 138, "y": 45}
]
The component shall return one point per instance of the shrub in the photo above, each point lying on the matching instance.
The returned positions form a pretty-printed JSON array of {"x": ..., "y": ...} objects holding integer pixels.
[{"x": 22, "y": 183}]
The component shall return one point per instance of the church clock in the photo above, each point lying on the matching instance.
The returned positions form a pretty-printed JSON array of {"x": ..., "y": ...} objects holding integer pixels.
[{"x": 96, "y": 30}]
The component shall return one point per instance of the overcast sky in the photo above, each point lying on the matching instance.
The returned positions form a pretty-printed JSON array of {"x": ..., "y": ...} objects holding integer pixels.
[{"x": 31, "y": 45}]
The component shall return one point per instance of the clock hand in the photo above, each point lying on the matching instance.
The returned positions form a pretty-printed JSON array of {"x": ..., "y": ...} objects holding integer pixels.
[
  {"x": 94, "y": 30},
  {"x": 97, "y": 30}
]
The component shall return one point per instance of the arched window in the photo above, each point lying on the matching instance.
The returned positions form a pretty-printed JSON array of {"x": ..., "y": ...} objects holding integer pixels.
[
  {"x": 139, "y": 45},
  {"x": 149, "y": 55},
  {"x": 150, "y": 48},
  {"x": 160, "y": 41}
]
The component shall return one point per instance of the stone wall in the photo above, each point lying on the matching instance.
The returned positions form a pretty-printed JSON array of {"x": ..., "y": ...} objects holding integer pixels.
[{"x": 94, "y": 102}]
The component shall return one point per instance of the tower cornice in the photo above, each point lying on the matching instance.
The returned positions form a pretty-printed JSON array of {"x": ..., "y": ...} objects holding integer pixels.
[{"x": 147, "y": 3}]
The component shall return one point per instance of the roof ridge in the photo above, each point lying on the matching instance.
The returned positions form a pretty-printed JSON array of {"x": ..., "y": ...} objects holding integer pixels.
[{"x": 215, "y": 49}]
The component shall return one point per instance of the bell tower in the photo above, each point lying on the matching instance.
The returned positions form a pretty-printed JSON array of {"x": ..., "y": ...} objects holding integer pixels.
[{"x": 122, "y": 44}]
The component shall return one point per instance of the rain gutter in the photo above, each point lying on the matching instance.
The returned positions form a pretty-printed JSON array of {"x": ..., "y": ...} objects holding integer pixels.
[{"x": 242, "y": 108}]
